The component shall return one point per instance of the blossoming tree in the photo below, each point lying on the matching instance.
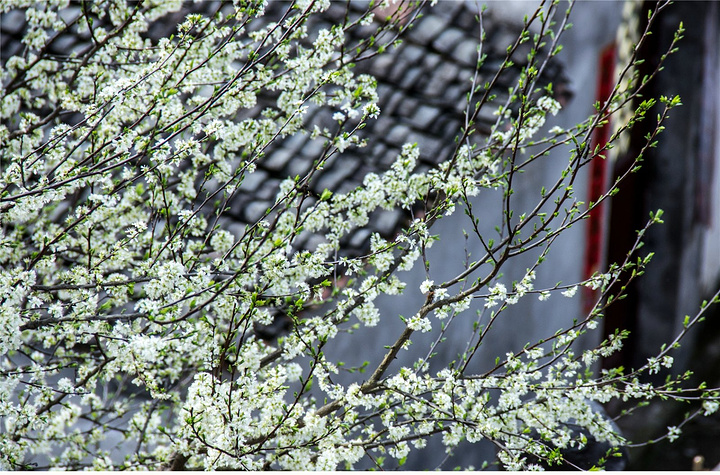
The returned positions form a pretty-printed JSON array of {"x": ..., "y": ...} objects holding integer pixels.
[{"x": 129, "y": 309}]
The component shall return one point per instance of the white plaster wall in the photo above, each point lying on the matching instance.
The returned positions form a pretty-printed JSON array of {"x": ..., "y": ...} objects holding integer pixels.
[{"x": 595, "y": 26}]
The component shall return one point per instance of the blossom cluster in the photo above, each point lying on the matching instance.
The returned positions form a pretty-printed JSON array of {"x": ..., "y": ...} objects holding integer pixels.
[{"x": 133, "y": 309}]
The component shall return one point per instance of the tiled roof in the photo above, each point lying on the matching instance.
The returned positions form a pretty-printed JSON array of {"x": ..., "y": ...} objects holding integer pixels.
[{"x": 422, "y": 86}]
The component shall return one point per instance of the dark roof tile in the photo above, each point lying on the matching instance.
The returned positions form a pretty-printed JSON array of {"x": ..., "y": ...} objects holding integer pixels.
[
  {"x": 251, "y": 181},
  {"x": 424, "y": 117},
  {"x": 466, "y": 52},
  {"x": 343, "y": 168},
  {"x": 398, "y": 134},
  {"x": 255, "y": 210},
  {"x": 430, "y": 147},
  {"x": 427, "y": 29},
  {"x": 448, "y": 39},
  {"x": 277, "y": 160},
  {"x": 12, "y": 23}
]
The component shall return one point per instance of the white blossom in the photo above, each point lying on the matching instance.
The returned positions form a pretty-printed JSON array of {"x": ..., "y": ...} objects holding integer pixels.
[
  {"x": 426, "y": 286},
  {"x": 570, "y": 292},
  {"x": 548, "y": 104},
  {"x": 160, "y": 280},
  {"x": 710, "y": 406}
]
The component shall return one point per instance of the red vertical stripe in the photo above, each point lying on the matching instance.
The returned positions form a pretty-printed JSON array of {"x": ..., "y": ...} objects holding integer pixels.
[{"x": 595, "y": 231}]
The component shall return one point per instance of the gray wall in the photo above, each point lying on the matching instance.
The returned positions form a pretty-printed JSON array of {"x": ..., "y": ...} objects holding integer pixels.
[{"x": 595, "y": 25}]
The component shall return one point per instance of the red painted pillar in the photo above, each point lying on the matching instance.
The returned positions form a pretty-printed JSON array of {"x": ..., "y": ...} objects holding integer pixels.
[{"x": 596, "y": 226}]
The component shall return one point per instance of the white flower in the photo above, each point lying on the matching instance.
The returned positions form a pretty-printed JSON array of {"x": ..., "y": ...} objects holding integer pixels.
[
  {"x": 65, "y": 385},
  {"x": 569, "y": 293},
  {"x": 367, "y": 314},
  {"x": 598, "y": 281},
  {"x": 461, "y": 305},
  {"x": 400, "y": 450},
  {"x": 342, "y": 143},
  {"x": 673, "y": 433},
  {"x": 426, "y": 286},
  {"x": 653, "y": 365},
  {"x": 710, "y": 406},
  {"x": 395, "y": 433},
  {"x": 408, "y": 261},
  {"x": 293, "y": 372},
  {"x": 498, "y": 293},
  {"x": 548, "y": 104},
  {"x": 419, "y": 323},
  {"x": 351, "y": 113},
  {"x": 222, "y": 241},
  {"x": 440, "y": 294},
  {"x": 371, "y": 110}
]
